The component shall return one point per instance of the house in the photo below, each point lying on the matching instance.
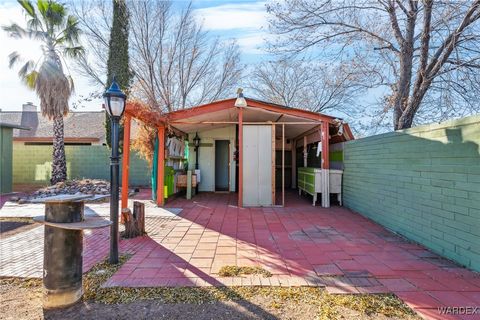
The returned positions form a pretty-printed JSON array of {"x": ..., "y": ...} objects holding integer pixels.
[
  {"x": 255, "y": 150},
  {"x": 80, "y": 128}
]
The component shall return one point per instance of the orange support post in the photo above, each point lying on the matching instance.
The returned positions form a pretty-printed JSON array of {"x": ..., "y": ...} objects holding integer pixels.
[
  {"x": 325, "y": 145},
  {"x": 240, "y": 157},
  {"x": 161, "y": 166},
  {"x": 126, "y": 159}
]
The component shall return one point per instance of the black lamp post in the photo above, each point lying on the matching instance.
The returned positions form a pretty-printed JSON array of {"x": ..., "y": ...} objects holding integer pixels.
[
  {"x": 196, "y": 143},
  {"x": 115, "y": 105}
]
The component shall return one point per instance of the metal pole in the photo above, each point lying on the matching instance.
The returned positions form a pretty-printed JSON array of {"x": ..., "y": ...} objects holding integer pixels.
[
  {"x": 114, "y": 190},
  {"x": 197, "y": 149}
]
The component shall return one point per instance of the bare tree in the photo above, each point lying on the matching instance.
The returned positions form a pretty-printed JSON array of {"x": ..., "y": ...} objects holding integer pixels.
[
  {"x": 175, "y": 62},
  {"x": 306, "y": 85},
  {"x": 424, "y": 53},
  {"x": 95, "y": 18}
]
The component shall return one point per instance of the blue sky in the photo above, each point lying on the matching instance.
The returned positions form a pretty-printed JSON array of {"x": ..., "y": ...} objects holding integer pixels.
[{"x": 244, "y": 21}]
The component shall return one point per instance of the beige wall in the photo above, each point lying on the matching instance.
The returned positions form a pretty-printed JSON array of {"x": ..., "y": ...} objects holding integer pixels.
[{"x": 207, "y": 156}]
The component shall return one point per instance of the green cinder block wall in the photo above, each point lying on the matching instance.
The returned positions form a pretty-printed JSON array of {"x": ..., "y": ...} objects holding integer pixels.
[
  {"x": 423, "y": 183},
  {"x": 32, "y": 164},
  {"x": 6, "y": 135}
]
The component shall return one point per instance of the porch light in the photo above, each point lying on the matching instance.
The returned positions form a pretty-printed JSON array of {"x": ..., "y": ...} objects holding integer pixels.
[
  {"x": 240, "y": 102},
  {"x": 114, "y": 100},
  {"x": 196, "y": 141}
]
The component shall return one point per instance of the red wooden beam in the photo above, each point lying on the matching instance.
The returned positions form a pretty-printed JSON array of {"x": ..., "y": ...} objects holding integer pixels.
[
  {"x": 161, "y": 166},
  {"x": 289, "y": 111},
  {"x": 196, "y": 111},
  {"x": 126, "y": 159}
]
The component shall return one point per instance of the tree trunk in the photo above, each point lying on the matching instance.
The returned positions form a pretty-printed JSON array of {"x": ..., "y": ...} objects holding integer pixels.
[
  {"x": 134, "y": 223},
  {"x": 59, "y": 163}
]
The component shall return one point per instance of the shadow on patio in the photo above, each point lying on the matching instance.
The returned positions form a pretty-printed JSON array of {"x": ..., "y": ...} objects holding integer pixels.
[{"x": 299, "y": 244}]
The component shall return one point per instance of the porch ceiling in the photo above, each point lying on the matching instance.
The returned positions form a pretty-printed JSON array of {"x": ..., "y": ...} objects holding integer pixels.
[{"x": 228, "y": 117}]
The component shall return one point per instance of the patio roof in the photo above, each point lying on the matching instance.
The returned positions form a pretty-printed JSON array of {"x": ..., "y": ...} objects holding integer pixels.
[{"x": 224, "y": 113}]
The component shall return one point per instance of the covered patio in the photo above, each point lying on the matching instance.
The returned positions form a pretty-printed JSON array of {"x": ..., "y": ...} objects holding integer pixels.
[{"x": 250, "y": 150}]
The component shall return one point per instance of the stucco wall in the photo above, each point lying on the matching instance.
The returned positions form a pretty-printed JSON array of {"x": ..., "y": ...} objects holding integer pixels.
[
  {"x": 423, "y": 183},
  {"x": 207, "y": 156}
]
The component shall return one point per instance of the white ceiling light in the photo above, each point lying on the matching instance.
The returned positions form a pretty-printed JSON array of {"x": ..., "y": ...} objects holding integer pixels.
[{"x": 240, "y": 102}]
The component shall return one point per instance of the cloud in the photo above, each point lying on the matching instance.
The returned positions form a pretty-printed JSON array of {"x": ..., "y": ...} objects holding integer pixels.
[
  {"x": 233, "y": 16},
  {"x": 245, "y": 22}
]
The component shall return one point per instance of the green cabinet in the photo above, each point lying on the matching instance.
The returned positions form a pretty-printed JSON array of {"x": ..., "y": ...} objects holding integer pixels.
[{"x": 324, "y": 181}]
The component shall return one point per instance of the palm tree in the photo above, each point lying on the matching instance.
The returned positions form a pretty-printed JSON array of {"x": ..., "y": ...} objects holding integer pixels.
[{"x": 58, "y": 34}]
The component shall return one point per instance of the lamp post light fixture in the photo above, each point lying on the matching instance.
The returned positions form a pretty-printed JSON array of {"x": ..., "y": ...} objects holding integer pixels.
[
  {"x": 115, "y": 106},
  {"x": 196, "y": 143}
]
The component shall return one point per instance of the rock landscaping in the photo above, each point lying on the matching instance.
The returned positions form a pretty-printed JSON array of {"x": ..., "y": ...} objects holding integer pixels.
[{"x": 84, "y": 186}]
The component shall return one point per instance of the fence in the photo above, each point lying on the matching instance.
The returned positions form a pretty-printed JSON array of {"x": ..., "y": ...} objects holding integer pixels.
[
  {"x": 32, "y": 164},
  {"x": 423, "y": 183}
]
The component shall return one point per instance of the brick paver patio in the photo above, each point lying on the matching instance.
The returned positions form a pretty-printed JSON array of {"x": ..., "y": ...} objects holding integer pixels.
[{"x": 299, "y": 244}]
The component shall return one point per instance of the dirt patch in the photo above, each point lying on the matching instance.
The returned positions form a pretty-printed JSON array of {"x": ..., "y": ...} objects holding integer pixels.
[{"x": 22, "y": 300}]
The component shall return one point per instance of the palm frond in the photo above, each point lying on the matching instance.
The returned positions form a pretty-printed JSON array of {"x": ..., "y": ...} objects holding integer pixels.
[
  {"x": 17, "y": 32},
  {"x": 26, "y": 69},
  {"x": 71, "y": 33},
  {"x": 13, "y": 58},
  {"x": 74, "y": 52},
  {"x": 52, "y": 12},
  {"x": 28, "y": 7},
  {"x": 71, "y": 84},
  {"x": 30, "y": 79},
  {"x": 53, "y": 88}
]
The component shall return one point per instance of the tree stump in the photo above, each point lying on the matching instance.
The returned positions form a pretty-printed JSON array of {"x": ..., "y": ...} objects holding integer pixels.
[{"x": 134, "y": 223}]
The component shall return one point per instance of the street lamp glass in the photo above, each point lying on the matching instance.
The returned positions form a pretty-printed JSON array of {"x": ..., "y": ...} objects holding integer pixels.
[
  {"x": 114, "y": 100},
  {"x": 117, "y": 104}
]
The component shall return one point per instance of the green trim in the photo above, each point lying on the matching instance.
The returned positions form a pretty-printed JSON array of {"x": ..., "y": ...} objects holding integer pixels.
[{"x": 336, "y": 155}]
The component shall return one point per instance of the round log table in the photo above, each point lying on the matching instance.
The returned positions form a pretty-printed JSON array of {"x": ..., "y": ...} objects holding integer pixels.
[{"x": 63, "y": 247}]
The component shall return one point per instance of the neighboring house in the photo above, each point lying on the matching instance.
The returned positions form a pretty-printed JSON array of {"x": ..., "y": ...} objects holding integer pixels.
[
  {"x": 81, "y": 128},
  {"x": 85, "y": 147}
]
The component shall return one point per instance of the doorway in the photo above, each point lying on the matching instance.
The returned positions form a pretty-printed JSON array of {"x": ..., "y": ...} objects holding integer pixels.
[{"x": 222, "y": 148}]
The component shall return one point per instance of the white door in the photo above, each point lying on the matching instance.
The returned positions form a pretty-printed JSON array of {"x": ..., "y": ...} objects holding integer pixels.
[{"x": 257, "y": 165}]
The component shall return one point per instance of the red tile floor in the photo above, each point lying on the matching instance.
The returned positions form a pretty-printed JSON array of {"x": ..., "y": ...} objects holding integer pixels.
[{"x": 299, "y": 244}]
